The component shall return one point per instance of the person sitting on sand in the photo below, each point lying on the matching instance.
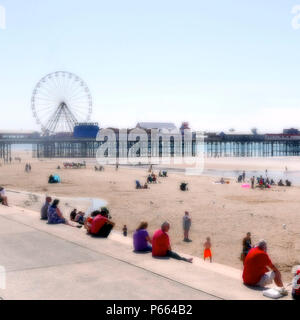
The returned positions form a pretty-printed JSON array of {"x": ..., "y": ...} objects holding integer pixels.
[
  {"x": 183, "y": 186},
  {"x": 160, "y": 174},
  {"x": 153, "y": 176},
  {"x": 161, "y": 244},
  {"x": 186, "y": 221},
  {"x": 207, "y": 250},
  {"x": 149, "y": 179},
  {"x": 280, "y": 183},
  {"x": 272, "y": 182},
  {"x": 146, "y": 185},
  {"x": 45, "y": 207},
  {"x": 3, "y": 197},
  {"x": 101, "y": 225},
  {"x": 141, "y": 238},
  {"x": 247, "y": 246},
  {"x": 288, "y": 183},
  {"x": 256, "y": 268},
  {"x": 138, "y": 185}
]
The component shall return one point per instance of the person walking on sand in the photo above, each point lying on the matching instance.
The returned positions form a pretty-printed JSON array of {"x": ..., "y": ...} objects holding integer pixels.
[
  {"x": 207, "y": 250},
  {"x": 187, "y": 221}
]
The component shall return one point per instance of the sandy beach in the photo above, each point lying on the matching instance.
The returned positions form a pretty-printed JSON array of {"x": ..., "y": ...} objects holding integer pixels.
[{"x": 223, "y": 212}]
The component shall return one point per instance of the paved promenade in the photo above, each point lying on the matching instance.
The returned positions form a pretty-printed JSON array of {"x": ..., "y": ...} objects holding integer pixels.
[{"x": 60, "y": 262}]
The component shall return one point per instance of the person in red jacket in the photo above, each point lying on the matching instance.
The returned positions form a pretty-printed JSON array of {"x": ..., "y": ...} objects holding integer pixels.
[
  {"x": 256, "y": 268},
  {"x": 296, "y": 284},
  {"x": 161, "y": 244}
]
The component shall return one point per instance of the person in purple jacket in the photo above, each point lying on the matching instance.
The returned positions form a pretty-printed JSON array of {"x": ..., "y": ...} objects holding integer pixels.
[{"x": 141, "y": 239}]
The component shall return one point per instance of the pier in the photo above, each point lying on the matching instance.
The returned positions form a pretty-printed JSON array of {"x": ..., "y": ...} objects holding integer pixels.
[{"x": 233, "y": 145}]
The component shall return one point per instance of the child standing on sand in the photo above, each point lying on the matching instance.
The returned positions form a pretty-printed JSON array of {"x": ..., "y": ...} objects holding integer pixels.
[{"x": 207, "y": 251}]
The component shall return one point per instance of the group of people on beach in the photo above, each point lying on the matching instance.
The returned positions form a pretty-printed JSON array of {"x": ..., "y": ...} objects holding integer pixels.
[
  {"x": 260, "y": 182},
  {"x": 151, "y": 178}
]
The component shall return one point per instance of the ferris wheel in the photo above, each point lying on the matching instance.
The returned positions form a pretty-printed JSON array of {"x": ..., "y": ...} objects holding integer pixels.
[{"x": 59, "y": 101}]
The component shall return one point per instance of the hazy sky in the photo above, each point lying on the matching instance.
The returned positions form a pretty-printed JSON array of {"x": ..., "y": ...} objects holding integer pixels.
[{"x": 217, "y": 64}]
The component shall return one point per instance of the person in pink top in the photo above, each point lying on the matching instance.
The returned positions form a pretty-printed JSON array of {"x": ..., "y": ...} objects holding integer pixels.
[{"x": 161, "y": 244}]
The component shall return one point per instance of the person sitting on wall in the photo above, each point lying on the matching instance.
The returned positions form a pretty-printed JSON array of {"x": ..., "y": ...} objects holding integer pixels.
[
  {"x": 101, "y": 225},
  {"x": 141, "y": 238},
  {"x": 161, "y": 244},
  {"x": 45, "y": 207},
  {"x": 256, "y": 268},
  {"x": 73, "y": 215},
  {"x": 3, "y": 197},
  {"x": 80, "y": 218}
]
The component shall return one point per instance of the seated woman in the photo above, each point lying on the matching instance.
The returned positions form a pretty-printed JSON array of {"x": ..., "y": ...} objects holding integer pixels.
[
  {"x": 141, "y": 239},
  {"x": 54, "y": 214}
]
